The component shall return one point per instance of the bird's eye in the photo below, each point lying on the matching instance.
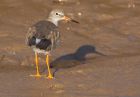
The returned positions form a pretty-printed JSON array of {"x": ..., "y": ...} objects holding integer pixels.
[{"x": 57, "y": 14}]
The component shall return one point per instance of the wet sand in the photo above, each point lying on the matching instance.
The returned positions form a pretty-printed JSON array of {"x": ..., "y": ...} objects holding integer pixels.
[{"x": 109, "y": 27}]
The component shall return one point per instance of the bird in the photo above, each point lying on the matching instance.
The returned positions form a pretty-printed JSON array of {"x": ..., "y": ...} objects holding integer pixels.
[{"x": 43, "y": 37}]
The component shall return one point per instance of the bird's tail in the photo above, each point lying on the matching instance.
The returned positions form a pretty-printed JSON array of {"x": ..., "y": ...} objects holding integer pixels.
[
  {"x": 43, "y": 44},
  {"x": 31, "y": 41}
]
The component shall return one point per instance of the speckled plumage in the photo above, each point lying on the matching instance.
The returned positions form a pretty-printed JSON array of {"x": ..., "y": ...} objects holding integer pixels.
[
  {"x": 46, "y": 32},
  {"x": 44, "y": 36}
]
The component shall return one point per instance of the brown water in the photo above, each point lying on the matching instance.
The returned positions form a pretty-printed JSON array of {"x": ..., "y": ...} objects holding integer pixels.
[{"x": 109, "y": 26}]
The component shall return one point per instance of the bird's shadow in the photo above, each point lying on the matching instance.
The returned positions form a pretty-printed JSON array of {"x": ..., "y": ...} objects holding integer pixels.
[{"x": 74, "y": 59}]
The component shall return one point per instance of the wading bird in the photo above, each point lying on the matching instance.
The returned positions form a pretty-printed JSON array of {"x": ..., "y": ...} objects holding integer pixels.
[{"x": 43, "y": 37}]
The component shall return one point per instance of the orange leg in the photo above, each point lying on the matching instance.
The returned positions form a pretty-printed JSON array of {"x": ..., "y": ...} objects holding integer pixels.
[
  {"x": 37, "y": 66},
  {"x": 48, "y": 66}
]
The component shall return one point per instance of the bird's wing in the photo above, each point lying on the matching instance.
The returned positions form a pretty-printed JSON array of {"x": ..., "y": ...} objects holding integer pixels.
[
  {"x": 30, "y": 33},
  {"x": 43, "y": 30},
  {"x": 55, "y": 39}
]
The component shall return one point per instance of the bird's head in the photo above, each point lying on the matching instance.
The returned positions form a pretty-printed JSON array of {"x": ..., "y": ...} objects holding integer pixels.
[{"x": 58, "y": 15}]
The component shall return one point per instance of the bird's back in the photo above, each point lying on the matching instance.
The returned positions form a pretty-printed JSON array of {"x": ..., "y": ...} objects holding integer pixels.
[
  {"x": 44, "y": 31},
  {"x": 44, "y": 28}
]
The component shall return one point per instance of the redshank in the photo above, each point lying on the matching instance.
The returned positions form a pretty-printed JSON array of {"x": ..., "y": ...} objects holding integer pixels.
[{"x": 43, "y": 37}]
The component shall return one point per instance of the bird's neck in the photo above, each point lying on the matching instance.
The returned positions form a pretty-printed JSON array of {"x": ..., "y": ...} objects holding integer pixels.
[{"x": 53, "y": 20}]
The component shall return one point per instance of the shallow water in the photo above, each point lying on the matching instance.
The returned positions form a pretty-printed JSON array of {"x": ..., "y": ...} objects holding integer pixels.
[{"x": 107, "y": 25}]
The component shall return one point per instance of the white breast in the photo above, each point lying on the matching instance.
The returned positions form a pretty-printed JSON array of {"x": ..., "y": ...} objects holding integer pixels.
[{"x": 41, "y": 51}]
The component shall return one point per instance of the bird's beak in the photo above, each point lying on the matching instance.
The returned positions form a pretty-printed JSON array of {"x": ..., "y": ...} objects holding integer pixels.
[{"x": 70, "y": 19}]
